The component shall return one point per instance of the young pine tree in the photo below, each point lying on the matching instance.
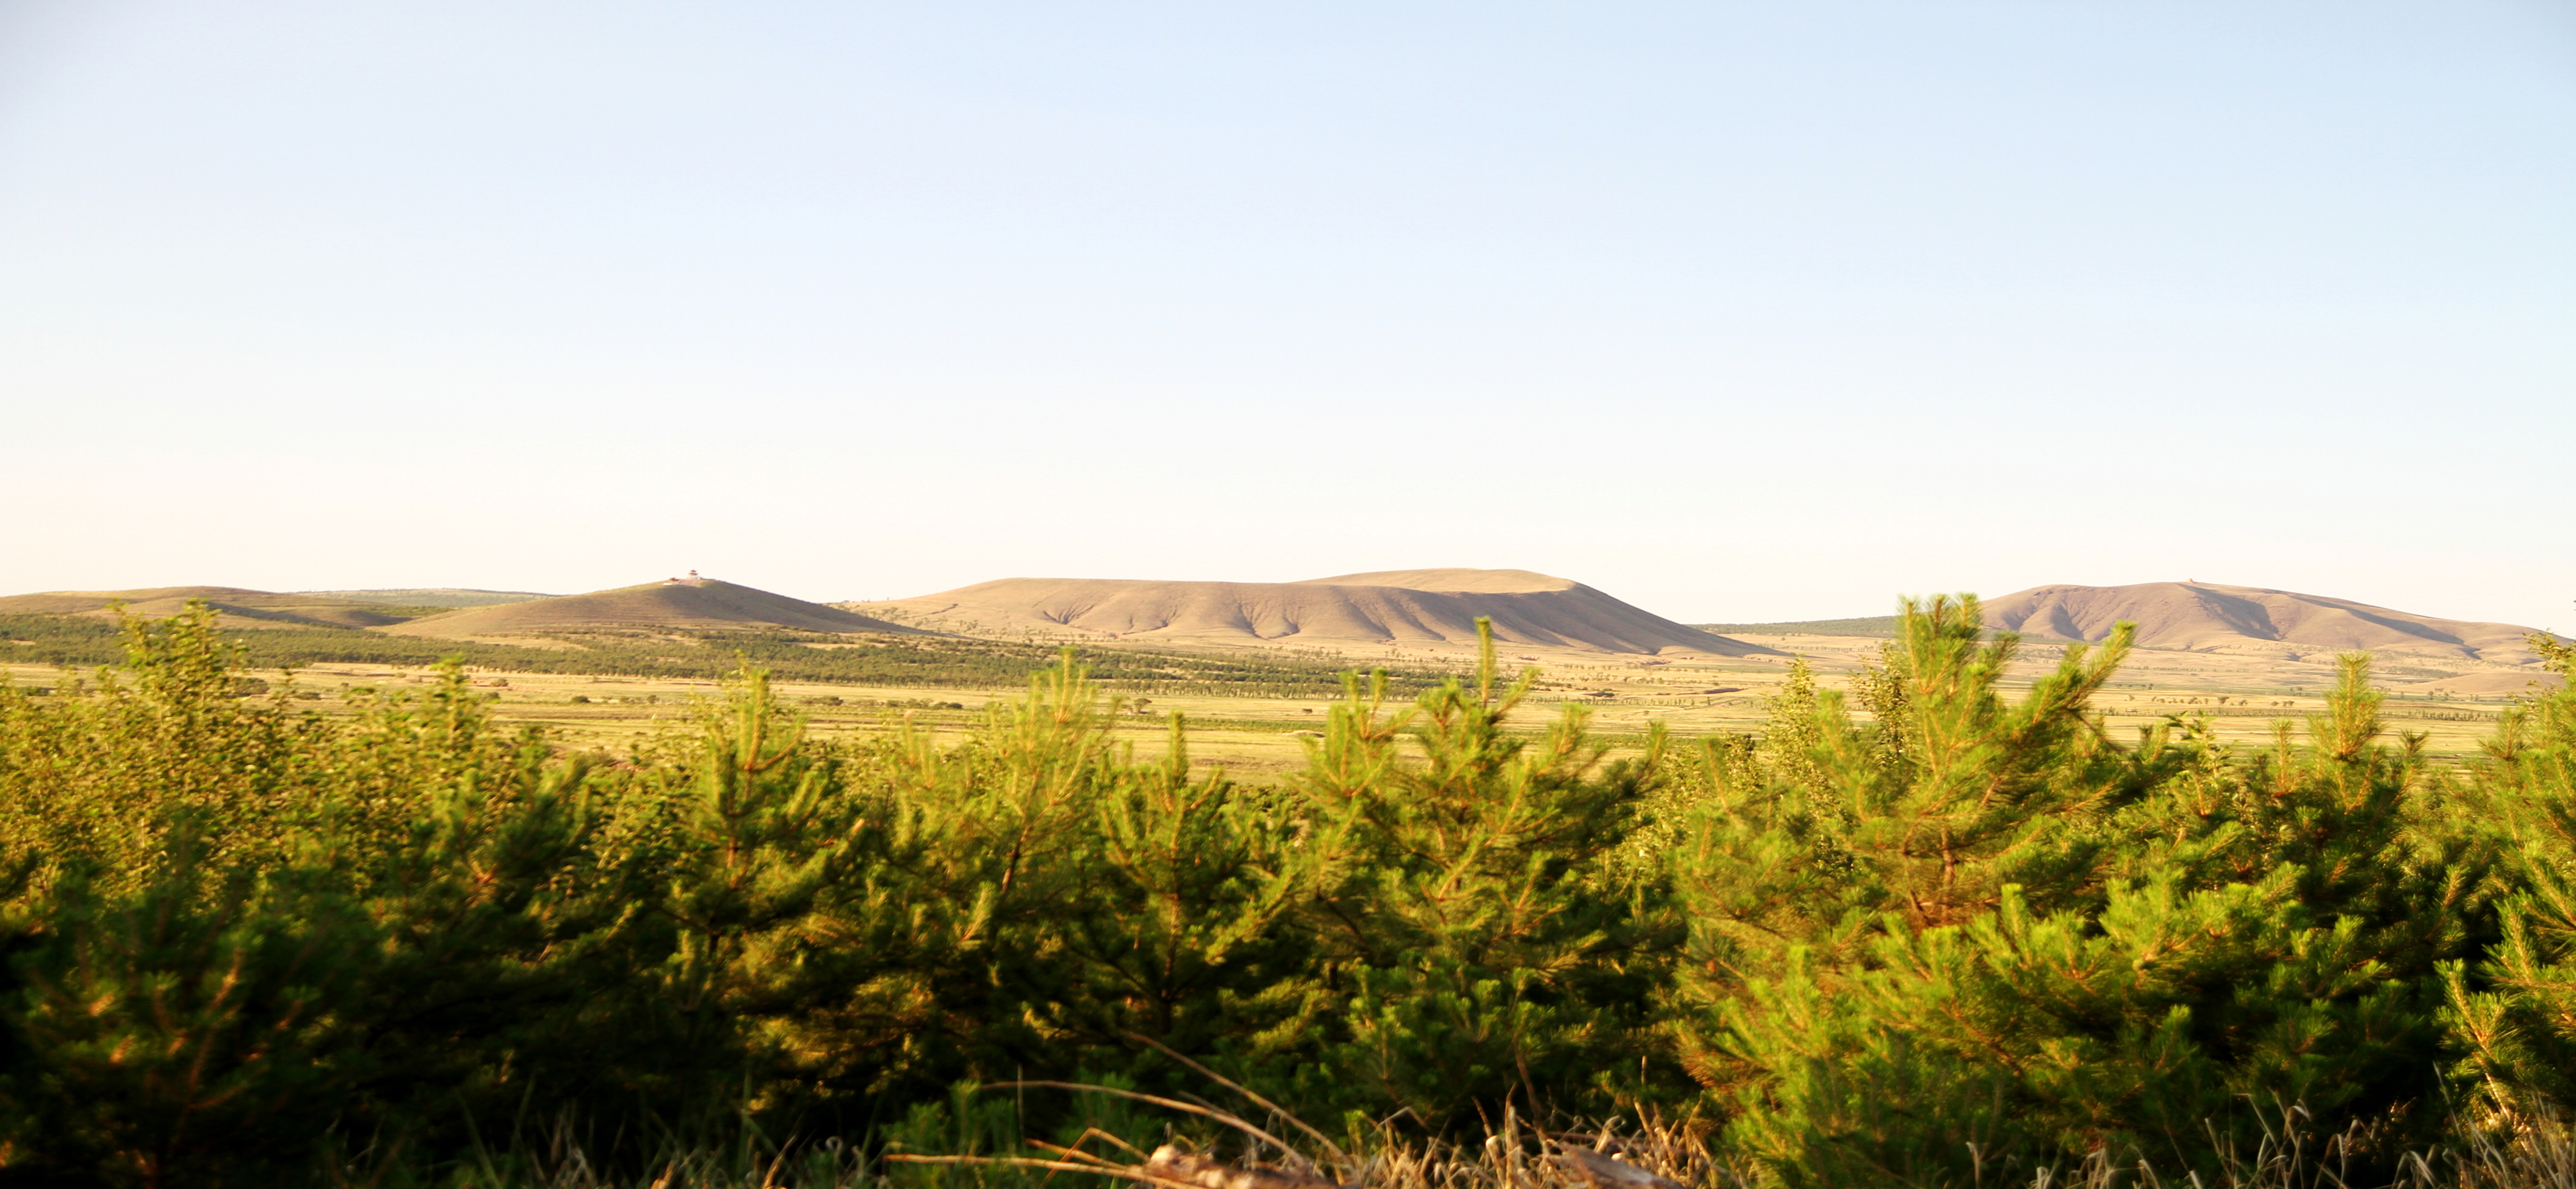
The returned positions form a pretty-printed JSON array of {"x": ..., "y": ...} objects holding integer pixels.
[
  {"x": 1480, "y": 936},
  {"x": 2515, "y": 1013},
  {"x": 1994, "y": 938}
]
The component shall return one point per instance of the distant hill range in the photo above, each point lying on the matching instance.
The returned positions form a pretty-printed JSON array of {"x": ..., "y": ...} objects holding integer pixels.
[
  {"x": 1881, "y": 626},
  {"x": 693, "y": 602},
  {"x": 2208, "y": 616},
  {"x": 1435, "y": 606},
  {"x": 1385, "y": 607},
  {"x": 240, "y": 608}
]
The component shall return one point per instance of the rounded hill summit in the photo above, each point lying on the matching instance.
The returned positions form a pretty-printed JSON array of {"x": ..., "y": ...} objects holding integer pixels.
[
  {"x": 1426, "y": 606},
  {"x": 693, "y": 602}
]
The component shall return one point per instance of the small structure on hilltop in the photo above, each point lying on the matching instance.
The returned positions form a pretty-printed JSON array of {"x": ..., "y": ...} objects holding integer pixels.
[{"x": 691, "y": 580}]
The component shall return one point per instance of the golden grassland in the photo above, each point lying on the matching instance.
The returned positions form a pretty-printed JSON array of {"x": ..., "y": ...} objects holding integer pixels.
[{"x": 2239, "y": 697}]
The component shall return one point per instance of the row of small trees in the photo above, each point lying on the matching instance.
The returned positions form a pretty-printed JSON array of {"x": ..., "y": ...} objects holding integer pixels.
[
  {"x": 703, "y": 654},
  {"x": 1959, "y": 934}
]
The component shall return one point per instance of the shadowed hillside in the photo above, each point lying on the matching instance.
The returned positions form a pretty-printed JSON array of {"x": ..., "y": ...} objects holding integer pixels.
[
  {"x": 2205, "y": 615},
  {"x": 1389, "y": 607},
  {"x": 2512, "y": 682},
  {"x": 2202, "y": 616},
  {"x": 238, "y": 607},
  {"x": 707, "y": 604}
]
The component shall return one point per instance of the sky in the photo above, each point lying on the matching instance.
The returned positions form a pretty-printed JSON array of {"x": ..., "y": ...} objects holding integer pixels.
[{"x": 1738, "y": 311}]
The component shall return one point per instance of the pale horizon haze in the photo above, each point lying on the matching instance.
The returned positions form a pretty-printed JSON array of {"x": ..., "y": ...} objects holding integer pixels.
[{"x": 1740, "y": 312}]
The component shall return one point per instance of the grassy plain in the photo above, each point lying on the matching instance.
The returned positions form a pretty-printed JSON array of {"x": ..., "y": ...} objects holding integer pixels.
[{"x": 1256, "y": 737}]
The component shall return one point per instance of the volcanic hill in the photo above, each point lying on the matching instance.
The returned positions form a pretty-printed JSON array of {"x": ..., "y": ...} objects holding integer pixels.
[
  {"x": 236, "y": 607},
  {"x": 2206, "y": 616},
  {"x": 442, "y": 597},
  {"x": 681, "y": 603},
  {"x": 1386, "y": 607}
]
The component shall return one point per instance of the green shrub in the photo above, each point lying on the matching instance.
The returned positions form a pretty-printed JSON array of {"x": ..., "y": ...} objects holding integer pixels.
[
  {"x": 1969, "y": 936},
  {"x": 1978, "y": 934}
]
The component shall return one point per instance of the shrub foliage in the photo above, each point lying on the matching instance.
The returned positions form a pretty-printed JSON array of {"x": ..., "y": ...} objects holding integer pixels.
[{"x": 1961, "y": 932}]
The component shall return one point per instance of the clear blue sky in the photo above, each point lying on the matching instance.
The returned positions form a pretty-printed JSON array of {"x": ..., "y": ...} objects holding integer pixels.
[{"x": 1739, "y": 311}]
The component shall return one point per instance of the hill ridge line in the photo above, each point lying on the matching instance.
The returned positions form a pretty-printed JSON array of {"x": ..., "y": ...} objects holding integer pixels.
[
  {"x": 1370, "y": 609},
  {"x": 674, "y": 603}
]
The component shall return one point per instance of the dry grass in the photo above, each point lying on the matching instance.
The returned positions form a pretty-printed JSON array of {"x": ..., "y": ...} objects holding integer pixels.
[
  {"x": 1649, "y": 1153},
  {"x": 2241, "y": 695}
]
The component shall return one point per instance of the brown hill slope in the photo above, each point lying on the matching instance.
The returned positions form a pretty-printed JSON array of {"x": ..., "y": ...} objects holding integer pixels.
[
  {"x": 444, "y": 597},
  {"x": 708, "y": 604},
  {"x": 2515, "y": 682},
  {"x": 235, "y": 606},
  {"x": 1354, "y": 609},
  {"x": 1478, "y": 581},
  {"x": 2207, "y": 616}
]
